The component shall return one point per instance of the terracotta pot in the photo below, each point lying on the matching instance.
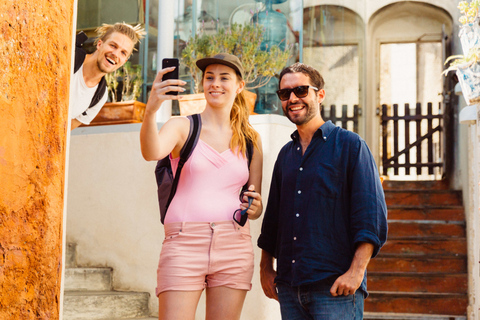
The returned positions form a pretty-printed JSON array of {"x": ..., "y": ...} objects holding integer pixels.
[
  {"x": 120, "y": 113},
  {"x": 192, "y": 103},
  {"x": 250, "y": 98},
  {"x": 195, "y": 103}
]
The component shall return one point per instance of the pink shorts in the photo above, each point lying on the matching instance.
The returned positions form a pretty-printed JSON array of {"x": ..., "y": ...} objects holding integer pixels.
[{"x": 196, "y": 255}]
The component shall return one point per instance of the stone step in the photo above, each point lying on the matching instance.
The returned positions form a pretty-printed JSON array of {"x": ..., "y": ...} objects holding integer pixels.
[
  {"x": 434, "y": 247},
  {"x": 398, "y": 263},
  {"x": 405, "y": 229},
  {"x": 417, "y": 212},
  {"x": 424, "y": 197},
  {"x": 415, "y": 185},
  {"x": 149, "y": 318},
  {"x": 409, "y": 316},
  {"x": 88, "y": 279},
  {"x": 423, "y": 303},
  {"x": 418, "y": 282},
  {"x": 96, "y": 305}
]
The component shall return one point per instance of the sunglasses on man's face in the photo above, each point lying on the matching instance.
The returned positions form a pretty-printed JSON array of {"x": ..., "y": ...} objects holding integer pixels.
[{"x": 300, "y": 92}]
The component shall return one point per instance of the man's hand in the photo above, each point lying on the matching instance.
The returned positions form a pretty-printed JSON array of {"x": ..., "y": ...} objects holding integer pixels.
[
  {"x": 350, "y": 281},
  {"x": 159, "y": 90},
  {"x": 267, "y": 276},
  {"x": 347, "y": 284}
]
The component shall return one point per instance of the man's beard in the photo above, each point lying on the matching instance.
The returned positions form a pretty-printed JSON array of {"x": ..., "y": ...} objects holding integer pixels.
[{"x": 311, "y": 111}]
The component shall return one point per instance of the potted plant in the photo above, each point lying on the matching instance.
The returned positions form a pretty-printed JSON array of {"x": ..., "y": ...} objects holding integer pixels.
[
  {"x": 469, "y": 30},
  {"x": 467, "y": 66},
  {"x": 124, "y": 87},
  {"x": 468, "y": 73},
  {"x": 244, "y": 41}
]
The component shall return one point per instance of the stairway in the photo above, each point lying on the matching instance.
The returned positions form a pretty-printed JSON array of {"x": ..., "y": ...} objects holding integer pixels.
[
  {"x": 421, "y": 272},
  {"x": 89, "y": 295}
]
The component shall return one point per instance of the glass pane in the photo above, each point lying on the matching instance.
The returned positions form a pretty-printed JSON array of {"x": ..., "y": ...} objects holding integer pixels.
[
  {"x": 93, "y": 13},
  {"x": 280, "y": 20},
  {"x": 334, "y": 38}
]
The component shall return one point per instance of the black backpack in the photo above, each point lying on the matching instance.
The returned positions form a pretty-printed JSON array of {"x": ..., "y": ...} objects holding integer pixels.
[
  {"x": 80, "y": 55},
  {"x": 166, "y": 184}
]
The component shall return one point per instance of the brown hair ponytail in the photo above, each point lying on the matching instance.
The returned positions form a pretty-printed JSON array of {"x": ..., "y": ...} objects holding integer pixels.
[{"x": 241, "y": 127}]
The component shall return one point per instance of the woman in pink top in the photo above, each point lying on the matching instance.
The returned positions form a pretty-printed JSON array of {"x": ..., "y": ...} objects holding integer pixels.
[{"x": 204, "y": 248}]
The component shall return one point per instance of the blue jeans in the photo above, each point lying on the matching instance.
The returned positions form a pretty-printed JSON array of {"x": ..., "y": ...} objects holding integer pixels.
[{"x": 314, "y": 302}]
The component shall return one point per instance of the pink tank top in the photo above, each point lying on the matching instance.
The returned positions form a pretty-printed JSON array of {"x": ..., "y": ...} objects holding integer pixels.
[{"x": 209, "y": 185}]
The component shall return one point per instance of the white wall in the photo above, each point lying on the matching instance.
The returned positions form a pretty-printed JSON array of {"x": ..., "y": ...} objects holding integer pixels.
[{"x": 113, "y": 211}]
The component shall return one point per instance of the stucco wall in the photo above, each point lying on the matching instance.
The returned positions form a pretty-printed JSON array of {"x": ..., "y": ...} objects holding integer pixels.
[
  {"x": 367, "y": 8},
  {"x": 35, "y": 48},
  {"x": 113, "y": 212}
]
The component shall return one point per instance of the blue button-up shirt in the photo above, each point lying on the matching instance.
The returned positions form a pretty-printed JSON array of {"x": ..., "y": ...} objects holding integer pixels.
[{"x": 321, "y": 205}]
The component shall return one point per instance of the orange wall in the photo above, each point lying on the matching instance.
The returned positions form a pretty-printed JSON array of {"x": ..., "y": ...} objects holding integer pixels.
[{"x": 35, "y": 49}]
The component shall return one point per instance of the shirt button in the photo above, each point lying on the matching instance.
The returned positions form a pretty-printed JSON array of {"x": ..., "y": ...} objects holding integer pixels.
[
  {"x": 293, "y": 261},
  {"x": 324, "y": 138},
  {"x": 299, "y": 191},
  {"x": 294, "y": 238},
  {"x": 301, "y": 169},
  {"x": 297, "y": 215},
  {"x": 212, "y": 225},
  {"x": 298, "y": 148}
]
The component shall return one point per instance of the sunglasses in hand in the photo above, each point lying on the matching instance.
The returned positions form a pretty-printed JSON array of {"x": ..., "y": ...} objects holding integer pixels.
[
  {"x": 300, "y": 92},
  {"x": 241, "y": 216}
]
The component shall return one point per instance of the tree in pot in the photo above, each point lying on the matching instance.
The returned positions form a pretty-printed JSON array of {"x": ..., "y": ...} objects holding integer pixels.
[{"x": 244, "y": 41}]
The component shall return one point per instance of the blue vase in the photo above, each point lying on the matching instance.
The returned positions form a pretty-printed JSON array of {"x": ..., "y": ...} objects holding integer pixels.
[{"x": 275, "y": 25}]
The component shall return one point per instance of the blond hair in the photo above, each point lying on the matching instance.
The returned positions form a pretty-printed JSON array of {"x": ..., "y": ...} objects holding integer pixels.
[
  {"x": 241, "y": 127},
  {"x": 134, "y": 33}
]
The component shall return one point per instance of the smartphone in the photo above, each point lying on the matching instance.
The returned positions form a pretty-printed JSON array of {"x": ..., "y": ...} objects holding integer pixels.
[{"x": 170, "y": 62}]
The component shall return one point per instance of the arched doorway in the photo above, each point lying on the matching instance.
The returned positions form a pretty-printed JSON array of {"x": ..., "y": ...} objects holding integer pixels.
[{"x": 407, "y": 45}]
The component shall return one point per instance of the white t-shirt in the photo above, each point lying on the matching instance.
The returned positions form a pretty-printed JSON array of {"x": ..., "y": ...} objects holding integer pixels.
[{"x": 81, "y": 99}]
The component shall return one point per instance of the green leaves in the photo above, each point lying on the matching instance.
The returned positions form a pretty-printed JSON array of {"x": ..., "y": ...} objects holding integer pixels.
[
  {"x": 244, "y": 41},
  {"x": 131, "y": 76}
]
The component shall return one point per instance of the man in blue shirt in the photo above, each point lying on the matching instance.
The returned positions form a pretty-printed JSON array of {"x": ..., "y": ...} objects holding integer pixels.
[{"x": 326, "y": 214}]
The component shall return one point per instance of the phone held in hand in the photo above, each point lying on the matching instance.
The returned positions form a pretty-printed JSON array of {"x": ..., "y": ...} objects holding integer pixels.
[{"x": 170, "y": 62}]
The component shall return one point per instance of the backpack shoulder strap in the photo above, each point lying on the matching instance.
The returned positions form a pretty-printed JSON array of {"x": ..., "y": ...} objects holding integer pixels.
[
  {"x": 249, "y": 151},
  {"x": 80, "y": 54},
  {"x": 99, "y": 93},
  {"x": 193, "y": 136},
  {"x": 192, "y": 139}
]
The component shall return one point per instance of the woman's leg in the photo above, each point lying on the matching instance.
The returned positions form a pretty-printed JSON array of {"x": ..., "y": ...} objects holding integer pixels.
[
  {"x": 178, "y": 305},
  {"x": 224, "y": 303}
]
